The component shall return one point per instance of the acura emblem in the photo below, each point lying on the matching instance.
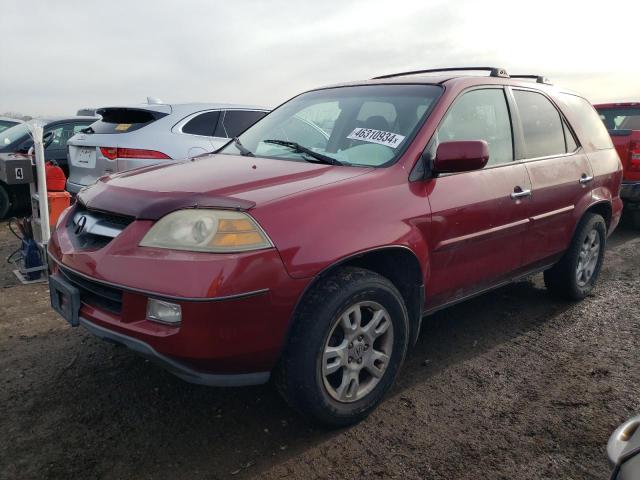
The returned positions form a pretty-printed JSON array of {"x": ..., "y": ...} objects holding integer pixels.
[
  {"x": 358, "y": 350},
  {"x": 82, "y": 221}
]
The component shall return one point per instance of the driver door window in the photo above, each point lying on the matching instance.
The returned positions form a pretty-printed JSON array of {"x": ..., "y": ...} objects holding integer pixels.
[{"x": 481, "y": 115}]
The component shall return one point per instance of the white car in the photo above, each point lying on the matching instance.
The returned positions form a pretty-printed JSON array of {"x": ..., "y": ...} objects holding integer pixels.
[{"x": 134, "y": 136}]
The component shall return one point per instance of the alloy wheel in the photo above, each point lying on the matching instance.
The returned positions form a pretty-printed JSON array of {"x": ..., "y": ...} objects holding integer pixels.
[
  {"x": 588, "y": 258},
  {"x": 357, "y": 351}
]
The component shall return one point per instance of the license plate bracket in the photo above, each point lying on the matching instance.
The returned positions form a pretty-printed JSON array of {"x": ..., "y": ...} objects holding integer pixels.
[
  {"x": 85, "y": 157},
  {"x": 65, "y": 299}
]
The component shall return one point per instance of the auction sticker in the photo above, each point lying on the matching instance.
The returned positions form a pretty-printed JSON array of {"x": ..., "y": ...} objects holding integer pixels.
[{"x": 376, "y": 136}]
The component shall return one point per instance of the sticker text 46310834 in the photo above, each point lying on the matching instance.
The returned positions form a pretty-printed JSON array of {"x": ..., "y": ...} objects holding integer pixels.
[{"x": 376, "y": 136}]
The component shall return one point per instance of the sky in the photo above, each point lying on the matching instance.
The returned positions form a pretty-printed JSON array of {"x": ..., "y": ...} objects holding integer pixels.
[{"x": 64, "y": 55}]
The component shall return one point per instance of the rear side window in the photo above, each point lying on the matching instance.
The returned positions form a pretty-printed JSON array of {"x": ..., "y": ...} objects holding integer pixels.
[
  {"x": 203, "y": 124},
  {"x": 62, "y": 133},
  {"x": 592, "y": 127},
  {"x": 123, "y": 120},
  {"x": 620, "y": 118},
  {"x": 541, "y": 125},
  {"x": 481, "y": 115},
  {"x": 237, "y": 121}
]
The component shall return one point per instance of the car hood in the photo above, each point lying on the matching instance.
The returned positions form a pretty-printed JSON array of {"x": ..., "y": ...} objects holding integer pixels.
[{"x": 222, "y": 181}]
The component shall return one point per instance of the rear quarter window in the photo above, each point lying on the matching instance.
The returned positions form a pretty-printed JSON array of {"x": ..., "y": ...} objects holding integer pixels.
[
  {"x": 203, "y": 124},
  {"x": 124, "y": 120},
  {"x": 593, "y": 130}
]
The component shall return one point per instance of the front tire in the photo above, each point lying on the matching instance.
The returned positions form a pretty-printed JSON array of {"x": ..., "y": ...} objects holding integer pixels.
[
  {"x": 349, "y": 339},
  {"x": 575, "y": 275}
]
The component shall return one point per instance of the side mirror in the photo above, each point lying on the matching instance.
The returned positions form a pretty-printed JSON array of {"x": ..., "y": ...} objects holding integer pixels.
[
  {"x": 461, "y": 156},
  {"x": 25, "y": 146},
  {"x": 47, "y": 139}
]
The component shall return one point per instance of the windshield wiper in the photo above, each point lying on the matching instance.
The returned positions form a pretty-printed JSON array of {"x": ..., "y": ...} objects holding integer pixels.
[
  {"x": 244, "y": 151},
  {"x": 296, "y": 147},
  {"x": 89, "y": 129}
]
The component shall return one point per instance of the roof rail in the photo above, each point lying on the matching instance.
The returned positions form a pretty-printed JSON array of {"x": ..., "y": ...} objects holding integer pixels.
[
  {"x": 538, "y": 78},
  {"x": 495, "y": 72}
]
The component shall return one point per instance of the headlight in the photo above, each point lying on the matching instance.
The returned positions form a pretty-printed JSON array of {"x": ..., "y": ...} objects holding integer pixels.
[{"x": 201, "y": 230}]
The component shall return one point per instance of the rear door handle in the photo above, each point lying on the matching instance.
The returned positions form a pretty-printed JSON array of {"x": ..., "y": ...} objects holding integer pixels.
[
  {"x": 585, "y": 178},
  {"x": 518, "y": 192}
]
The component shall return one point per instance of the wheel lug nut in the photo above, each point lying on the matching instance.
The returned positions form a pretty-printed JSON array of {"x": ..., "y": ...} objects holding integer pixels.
[
  {"x": 366, "y": 346},
  {"x": 350, "y": 344},
  {"x": 360, "y": 338},
  {"x": 350, "y": 359},
  {"x": 360, "y": 360}
]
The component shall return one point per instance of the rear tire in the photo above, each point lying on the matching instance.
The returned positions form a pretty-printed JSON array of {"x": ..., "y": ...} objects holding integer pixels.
[
  {"x": 5, "y": 201},
  {"x": 348, "y": 341},
  {"x": 575, "y": 275}
]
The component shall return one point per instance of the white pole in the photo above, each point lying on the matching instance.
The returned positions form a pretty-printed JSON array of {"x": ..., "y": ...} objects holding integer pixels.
[{"x": 43, "y": 201}]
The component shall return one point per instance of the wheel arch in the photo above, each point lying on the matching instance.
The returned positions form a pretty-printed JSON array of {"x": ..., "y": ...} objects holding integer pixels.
[
  {"x": 398, "y": 263},
  {"x": 602, "y": 208}
]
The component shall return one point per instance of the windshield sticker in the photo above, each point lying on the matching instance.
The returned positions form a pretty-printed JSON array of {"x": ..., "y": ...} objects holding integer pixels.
[
  {"x": 376, "y": 136},
  {"x": 123, "y": 127}
]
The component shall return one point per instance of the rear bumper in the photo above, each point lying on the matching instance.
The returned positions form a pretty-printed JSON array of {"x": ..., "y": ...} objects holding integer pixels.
[
  {"x": 630, "y": 192},
  {"x": 177, "y": 368},
  {"x": 74, "y": 188}
]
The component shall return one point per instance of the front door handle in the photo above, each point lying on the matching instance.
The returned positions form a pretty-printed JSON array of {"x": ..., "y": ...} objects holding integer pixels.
[
  {"x": 585, "y": 178},
  {"x": 519, "y": 192}
]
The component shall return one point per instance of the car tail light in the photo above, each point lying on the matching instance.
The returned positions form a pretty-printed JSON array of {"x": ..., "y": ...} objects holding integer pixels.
[
  {"x": 634, "y": 156},
  {"x": 112, "y": 153},
  {"x": 109, "y": 152}
]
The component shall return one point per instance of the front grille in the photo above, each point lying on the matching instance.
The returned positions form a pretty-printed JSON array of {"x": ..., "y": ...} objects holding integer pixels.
[
  {"x": 92, "y": 229},
  {"x": 95, "y": 294}
]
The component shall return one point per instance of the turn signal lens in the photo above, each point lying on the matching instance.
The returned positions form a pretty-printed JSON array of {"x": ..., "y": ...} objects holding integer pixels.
[
  {"x": 230, "y": 240},
  {"x": 237, "y": 232}
]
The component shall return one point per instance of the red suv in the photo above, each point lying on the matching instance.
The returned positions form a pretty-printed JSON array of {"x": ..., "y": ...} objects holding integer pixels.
[{"x": 310, "y": 247}]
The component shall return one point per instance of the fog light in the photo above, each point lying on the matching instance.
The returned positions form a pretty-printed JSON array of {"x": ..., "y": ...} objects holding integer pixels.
[{"x": 163, "y": 312}]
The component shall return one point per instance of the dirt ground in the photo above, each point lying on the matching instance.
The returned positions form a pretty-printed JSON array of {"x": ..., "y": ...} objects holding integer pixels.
[{"x": 513, "y": 384}]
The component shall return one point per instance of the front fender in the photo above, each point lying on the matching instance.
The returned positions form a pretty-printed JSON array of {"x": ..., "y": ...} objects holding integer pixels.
[{"x": 317, "y": 229}]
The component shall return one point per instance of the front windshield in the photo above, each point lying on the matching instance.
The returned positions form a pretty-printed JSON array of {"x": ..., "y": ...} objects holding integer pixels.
[
  {"x": 12, "y": 134},
  {"x": 368, "y": 125}
]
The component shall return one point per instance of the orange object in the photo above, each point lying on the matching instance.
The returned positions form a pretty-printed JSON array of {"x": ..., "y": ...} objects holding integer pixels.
[
  {"x": 58, "y": 201},
  {"x": 56, "y": 181}
]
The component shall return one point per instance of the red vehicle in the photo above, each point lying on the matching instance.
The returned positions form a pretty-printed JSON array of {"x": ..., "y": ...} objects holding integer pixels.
[
  {"x": 311, "y": 250},
  {"x": 623, "y": 122}
]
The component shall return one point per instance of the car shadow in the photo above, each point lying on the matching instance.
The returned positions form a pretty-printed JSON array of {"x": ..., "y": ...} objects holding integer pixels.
[{"x": 142, "y": 421}]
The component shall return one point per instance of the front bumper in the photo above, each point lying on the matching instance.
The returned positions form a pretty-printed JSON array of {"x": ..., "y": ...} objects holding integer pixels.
[
  {"x": 179, "y": 369},
  {"x": 236, "y": 308},
  {"x": 630, "y": 192}
]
